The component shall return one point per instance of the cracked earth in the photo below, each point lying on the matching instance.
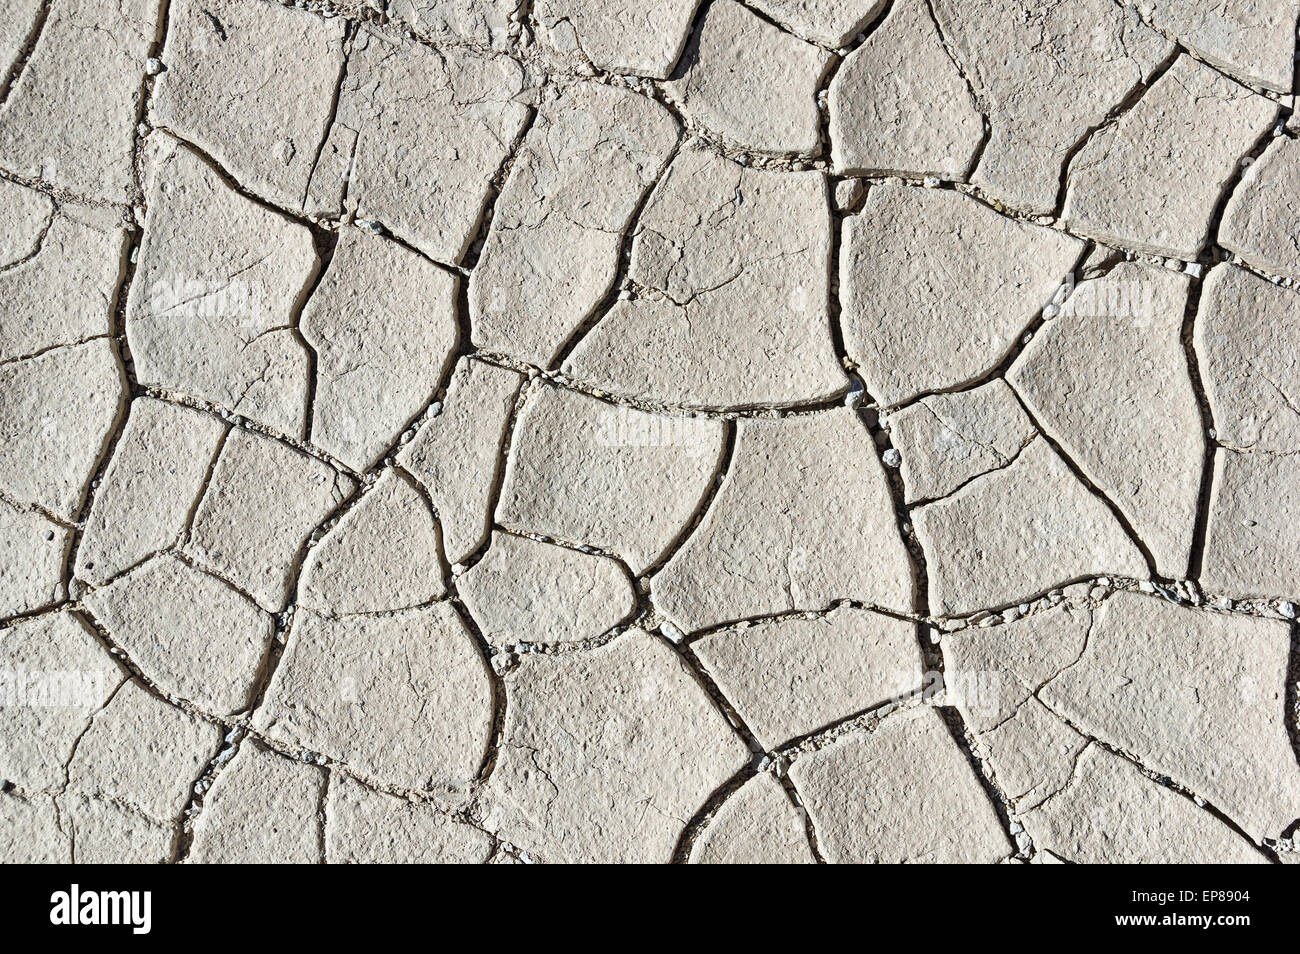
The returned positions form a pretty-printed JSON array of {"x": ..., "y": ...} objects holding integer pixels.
[{"x": 649, "y": 431}]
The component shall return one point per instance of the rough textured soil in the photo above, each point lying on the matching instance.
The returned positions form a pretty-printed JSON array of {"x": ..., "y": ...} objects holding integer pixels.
[{"x": 649, "y": 430}]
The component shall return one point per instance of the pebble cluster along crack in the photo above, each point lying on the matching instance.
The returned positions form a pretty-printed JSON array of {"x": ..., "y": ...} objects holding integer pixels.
[{"x": 649, "y": 431}]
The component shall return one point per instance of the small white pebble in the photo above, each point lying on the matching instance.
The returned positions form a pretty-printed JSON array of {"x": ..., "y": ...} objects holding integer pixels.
[
  {"x": 1286, "y": 609},
  {"x": 892, "y": 457},
  {"x": 671, "y": 632},
  {"x": 153, "y": 66},
  {"x": 854, "y": 396}
]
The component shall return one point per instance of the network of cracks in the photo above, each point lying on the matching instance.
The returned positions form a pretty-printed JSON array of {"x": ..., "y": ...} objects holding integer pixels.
[{"x": 576, "y": 430}]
